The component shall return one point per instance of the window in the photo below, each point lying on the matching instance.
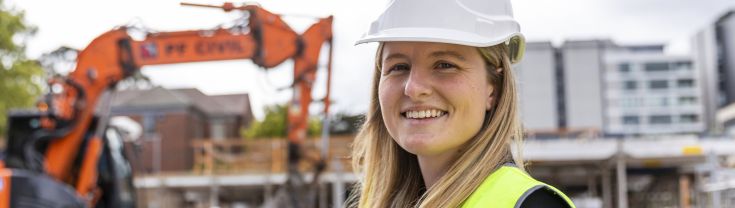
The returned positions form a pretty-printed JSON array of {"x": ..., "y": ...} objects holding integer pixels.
[
  {"x": 658, "y": 84},
  {"x": 149, "y": 124},
  {"x": 656, "y": 67},
  {"x": 657, "y": 101},
  {"x": 630, "y": 120},
  {"x": 218, "y": 131},
  {"x": 631, "y": 102},
  {"x": 683, "y": 65},
  {"x": 659, "y": 119},
  {"x": 687, "y": 100},
  {"x": 630, "y": 85},
  {"x": 688, "y": 118},
  {"x": 685, "y": 83},
  {"x": 624, "y": 67}
]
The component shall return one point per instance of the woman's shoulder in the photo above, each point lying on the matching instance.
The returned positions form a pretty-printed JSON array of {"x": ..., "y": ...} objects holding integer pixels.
[
  {"x": 509, "y": 187},
  {"x": 544, "y": 198}
]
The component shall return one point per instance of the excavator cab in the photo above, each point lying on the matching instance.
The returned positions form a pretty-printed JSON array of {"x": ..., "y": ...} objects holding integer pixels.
[{"x": 32, "y": 187}]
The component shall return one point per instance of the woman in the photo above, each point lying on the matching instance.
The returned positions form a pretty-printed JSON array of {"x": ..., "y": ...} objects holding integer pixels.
[{"x": 443, "y": 114}]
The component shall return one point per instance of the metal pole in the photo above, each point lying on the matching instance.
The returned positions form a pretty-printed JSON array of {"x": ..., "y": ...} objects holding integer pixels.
[
  {"x": 716, "y": 199},
  {"x": 323, "y": 188},
  {"x": 323, "y": 195},
  {"x": 213, "y": 191},
  {"x": 157, "y": 168},
  {"x": 684, "y": 191},
  {"x": 325, "y": 129},
  {"x": 591, "y": 182},
  {"x": 713, "y": 163},
  {"x": 338, "y": 191},
  {"x": 606, "y": 186},
  {"x": 327, "y": 103},
  {"x": 622, "y": 177}
]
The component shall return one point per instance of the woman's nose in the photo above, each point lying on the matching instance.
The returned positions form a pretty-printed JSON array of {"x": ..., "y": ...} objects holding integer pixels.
[{"x": 418, "y": 85}]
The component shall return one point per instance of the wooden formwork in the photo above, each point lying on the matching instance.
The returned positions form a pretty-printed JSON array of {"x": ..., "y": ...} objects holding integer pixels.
[{"x": 266, "y": 155}]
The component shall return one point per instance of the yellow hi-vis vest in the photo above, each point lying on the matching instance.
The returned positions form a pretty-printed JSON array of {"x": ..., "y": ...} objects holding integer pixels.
[{"x": 507, "y": 187}]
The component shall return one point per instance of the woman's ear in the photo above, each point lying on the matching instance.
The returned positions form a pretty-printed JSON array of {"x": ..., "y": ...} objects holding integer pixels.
[{"x": 490, "y": 99}]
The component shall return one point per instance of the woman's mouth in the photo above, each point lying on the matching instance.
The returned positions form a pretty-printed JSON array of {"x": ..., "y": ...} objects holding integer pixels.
[{"x": 423, "y": 114}]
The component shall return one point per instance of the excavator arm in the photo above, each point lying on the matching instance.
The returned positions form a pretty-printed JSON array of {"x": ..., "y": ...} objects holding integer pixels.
[{"x": 67, "y": 121}]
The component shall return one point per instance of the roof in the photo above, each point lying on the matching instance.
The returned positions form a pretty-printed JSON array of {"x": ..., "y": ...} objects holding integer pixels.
[
  {"x": 588, "y": 43},
  {"x": 202, "y": 101},
  {"x": 219, "y": 105},
  {"x": 156, "y": 97},
  {"x": 233, "y": 103}
]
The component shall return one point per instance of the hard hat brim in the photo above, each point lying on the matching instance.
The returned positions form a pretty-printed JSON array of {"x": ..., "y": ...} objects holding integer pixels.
[{"x": 446, "y": 36}]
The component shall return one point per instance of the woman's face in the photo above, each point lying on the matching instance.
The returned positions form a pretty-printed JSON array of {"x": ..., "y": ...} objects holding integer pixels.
[{"x": 433, "y": 96}]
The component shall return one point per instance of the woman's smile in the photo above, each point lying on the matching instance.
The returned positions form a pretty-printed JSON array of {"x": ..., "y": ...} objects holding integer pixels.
[{"x": 423, "y": 115}]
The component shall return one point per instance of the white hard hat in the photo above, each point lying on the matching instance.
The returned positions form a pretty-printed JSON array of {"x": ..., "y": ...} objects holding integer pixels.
[{"x": 477, "y": 23}]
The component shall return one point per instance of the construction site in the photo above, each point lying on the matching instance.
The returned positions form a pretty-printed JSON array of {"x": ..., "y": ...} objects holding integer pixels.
[{"x": 610, "y": 125}]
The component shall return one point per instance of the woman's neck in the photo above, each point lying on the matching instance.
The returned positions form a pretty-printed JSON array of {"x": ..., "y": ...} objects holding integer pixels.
[{"x": 434, "y": 167}]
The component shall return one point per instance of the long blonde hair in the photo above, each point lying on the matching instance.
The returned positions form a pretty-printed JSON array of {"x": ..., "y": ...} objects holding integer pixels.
[{"x": 390, "y": 176}]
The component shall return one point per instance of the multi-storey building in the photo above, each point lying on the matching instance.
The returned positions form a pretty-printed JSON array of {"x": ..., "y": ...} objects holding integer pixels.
[
  {"x": 651, "y": 93},
  {"x": 713, "y": 50},
  {"x": 537, "y": 84},
  {"x": 612, "y": 89}
]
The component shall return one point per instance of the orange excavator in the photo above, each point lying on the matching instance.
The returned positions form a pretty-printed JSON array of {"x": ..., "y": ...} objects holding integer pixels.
[{"x": 58, "y": 155}]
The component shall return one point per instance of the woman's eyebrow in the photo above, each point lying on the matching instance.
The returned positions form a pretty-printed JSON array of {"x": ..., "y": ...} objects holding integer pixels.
[
  {"x": 437, "y": 54},
  {"x": 395, "y": 56}
]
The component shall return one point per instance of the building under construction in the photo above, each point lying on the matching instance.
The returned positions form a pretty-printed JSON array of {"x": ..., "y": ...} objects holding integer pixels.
[{"x": 595, "y": 172}]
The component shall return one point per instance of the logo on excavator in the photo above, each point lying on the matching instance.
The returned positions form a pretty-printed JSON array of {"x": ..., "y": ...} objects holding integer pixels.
[
  {"x": 171, "y": 51},
  {"x": 219, "y": 47},
  {"x": 149, "y": 51}
]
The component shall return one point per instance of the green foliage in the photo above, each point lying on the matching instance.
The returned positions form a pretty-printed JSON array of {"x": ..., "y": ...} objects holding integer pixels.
[
  {"x": 274, "y": 124},
  {"x": 344, "y": 123},
  {"x": 20, "y": 78},
  {"x": 12, "y": 26}
]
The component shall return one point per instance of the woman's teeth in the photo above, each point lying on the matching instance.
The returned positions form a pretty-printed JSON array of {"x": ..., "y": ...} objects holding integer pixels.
[{"x": 424, "y": 114}]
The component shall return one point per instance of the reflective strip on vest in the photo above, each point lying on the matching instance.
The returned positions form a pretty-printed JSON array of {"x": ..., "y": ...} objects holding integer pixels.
[{"x": 507, "y": 187}]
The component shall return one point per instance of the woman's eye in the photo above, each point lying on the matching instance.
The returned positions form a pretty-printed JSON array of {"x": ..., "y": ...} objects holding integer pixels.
[
  {"x": 398, "y": 68},
  {"x": 445, "y": 65}
]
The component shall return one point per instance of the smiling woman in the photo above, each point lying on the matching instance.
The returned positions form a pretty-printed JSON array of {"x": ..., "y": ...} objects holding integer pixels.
[{"x": 443, "y": 114}]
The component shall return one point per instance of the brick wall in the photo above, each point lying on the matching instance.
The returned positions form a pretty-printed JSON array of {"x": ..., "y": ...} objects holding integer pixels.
[{"x": 177, "y": 130}]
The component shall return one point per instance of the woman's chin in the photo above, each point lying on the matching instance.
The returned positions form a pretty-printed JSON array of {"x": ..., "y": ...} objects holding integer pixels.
[{"x": 420, "y": 144}]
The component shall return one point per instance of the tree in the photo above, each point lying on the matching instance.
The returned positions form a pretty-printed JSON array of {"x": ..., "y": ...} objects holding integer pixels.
[
  {"x": 344, "y": 123},
  {"x": 20, "y": 78},
  {"x": 274, "y": 124}
]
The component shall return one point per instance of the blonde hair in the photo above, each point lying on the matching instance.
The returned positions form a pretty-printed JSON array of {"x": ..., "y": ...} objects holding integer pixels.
[{"x": 390, "y": 176}]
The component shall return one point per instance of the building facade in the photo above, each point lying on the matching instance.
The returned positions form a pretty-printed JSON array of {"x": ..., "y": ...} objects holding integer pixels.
[
  {"x": 608, "y": 89},
  {"x": 172, "y": 119},
  {"x": 537, "y": 86},
  {"x": 561, "y": 88},
  {"x": 651, "y": 93},
  {"x": 713, "y": 50}
]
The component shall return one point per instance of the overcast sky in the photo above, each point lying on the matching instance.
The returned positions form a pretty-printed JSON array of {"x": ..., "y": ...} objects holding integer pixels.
[{"x": 75, "y": 23}]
